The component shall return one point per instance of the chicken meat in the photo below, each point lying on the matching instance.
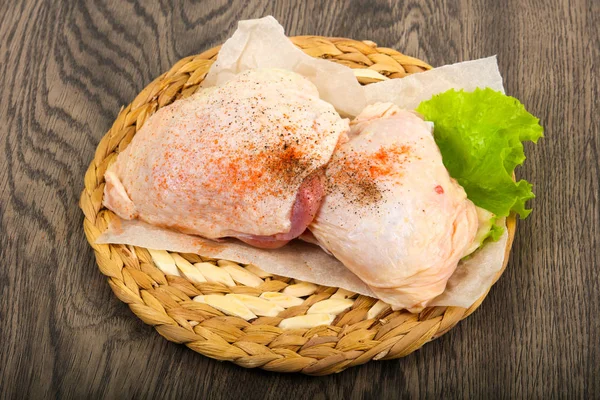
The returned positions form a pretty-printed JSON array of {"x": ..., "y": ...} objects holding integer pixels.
[
  {"x": 245, "y": 159},
  {"x": 392, "y": 214}
]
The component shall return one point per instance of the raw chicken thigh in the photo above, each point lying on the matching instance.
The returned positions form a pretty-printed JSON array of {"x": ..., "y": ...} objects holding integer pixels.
[
  {"x": 392, "y": 214},
  {"x": 244, "y": 159}
]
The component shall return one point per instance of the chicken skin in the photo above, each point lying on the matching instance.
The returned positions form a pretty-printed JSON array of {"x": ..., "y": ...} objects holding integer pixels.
[
  {"x": 245, "y": 159},
  {"x": 392, "y": 214}
]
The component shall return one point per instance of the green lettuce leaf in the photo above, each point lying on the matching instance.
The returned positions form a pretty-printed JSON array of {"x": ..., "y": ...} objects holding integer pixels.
[
  {"x": 489, "y": 228},
  {"x": 480, "y": 135},
  {"x": 496, "y": 231}
]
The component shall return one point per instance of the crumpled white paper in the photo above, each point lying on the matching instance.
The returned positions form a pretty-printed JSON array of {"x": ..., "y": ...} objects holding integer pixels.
[
  {"x": 262, "y": 43},
  {"x": 298, "y": 259},
  {"x": 411, "y": 90}
]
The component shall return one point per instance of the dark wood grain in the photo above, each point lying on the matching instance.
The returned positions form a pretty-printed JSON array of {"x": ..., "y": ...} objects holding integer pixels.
[{"x": 66, "y": 67}]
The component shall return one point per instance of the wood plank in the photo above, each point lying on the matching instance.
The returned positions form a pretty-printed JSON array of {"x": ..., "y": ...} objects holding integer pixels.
[{"x": 66, "y": 67}]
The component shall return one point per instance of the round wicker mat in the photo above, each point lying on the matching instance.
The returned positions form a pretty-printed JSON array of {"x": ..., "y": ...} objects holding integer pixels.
[{"x": 160, "y": 287}]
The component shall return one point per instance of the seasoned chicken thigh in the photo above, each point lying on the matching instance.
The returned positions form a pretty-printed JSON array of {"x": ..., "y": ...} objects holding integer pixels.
[
  {"x": 392, "y": 214},
  {"x": 244, "y": 159}
]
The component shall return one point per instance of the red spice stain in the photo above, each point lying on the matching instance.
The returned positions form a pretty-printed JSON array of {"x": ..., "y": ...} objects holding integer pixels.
[
  {"x": 357, "y": 174},
  {"x": 439, "y": 190},
  {"x": 273, "y": 171},
  {"x": 117, "y": 225},
  {"x": 386, "y": 161},
  {"x": 287, "y": 163},
  {"x": 206, "y": 245}
]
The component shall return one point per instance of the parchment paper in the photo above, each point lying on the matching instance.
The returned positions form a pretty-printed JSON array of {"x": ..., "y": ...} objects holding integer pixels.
[
  {"x": 409, "y": 91},
  {"x": 298, "y": 259},
  {"x": 262, "y": 43}
]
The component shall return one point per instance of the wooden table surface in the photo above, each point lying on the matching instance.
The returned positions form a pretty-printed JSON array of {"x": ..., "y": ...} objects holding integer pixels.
[{"x": 68, "y": 66}]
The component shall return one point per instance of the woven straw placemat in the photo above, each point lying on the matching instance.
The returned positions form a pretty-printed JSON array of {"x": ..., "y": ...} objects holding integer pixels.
[{"x": 239, "y": 313}]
